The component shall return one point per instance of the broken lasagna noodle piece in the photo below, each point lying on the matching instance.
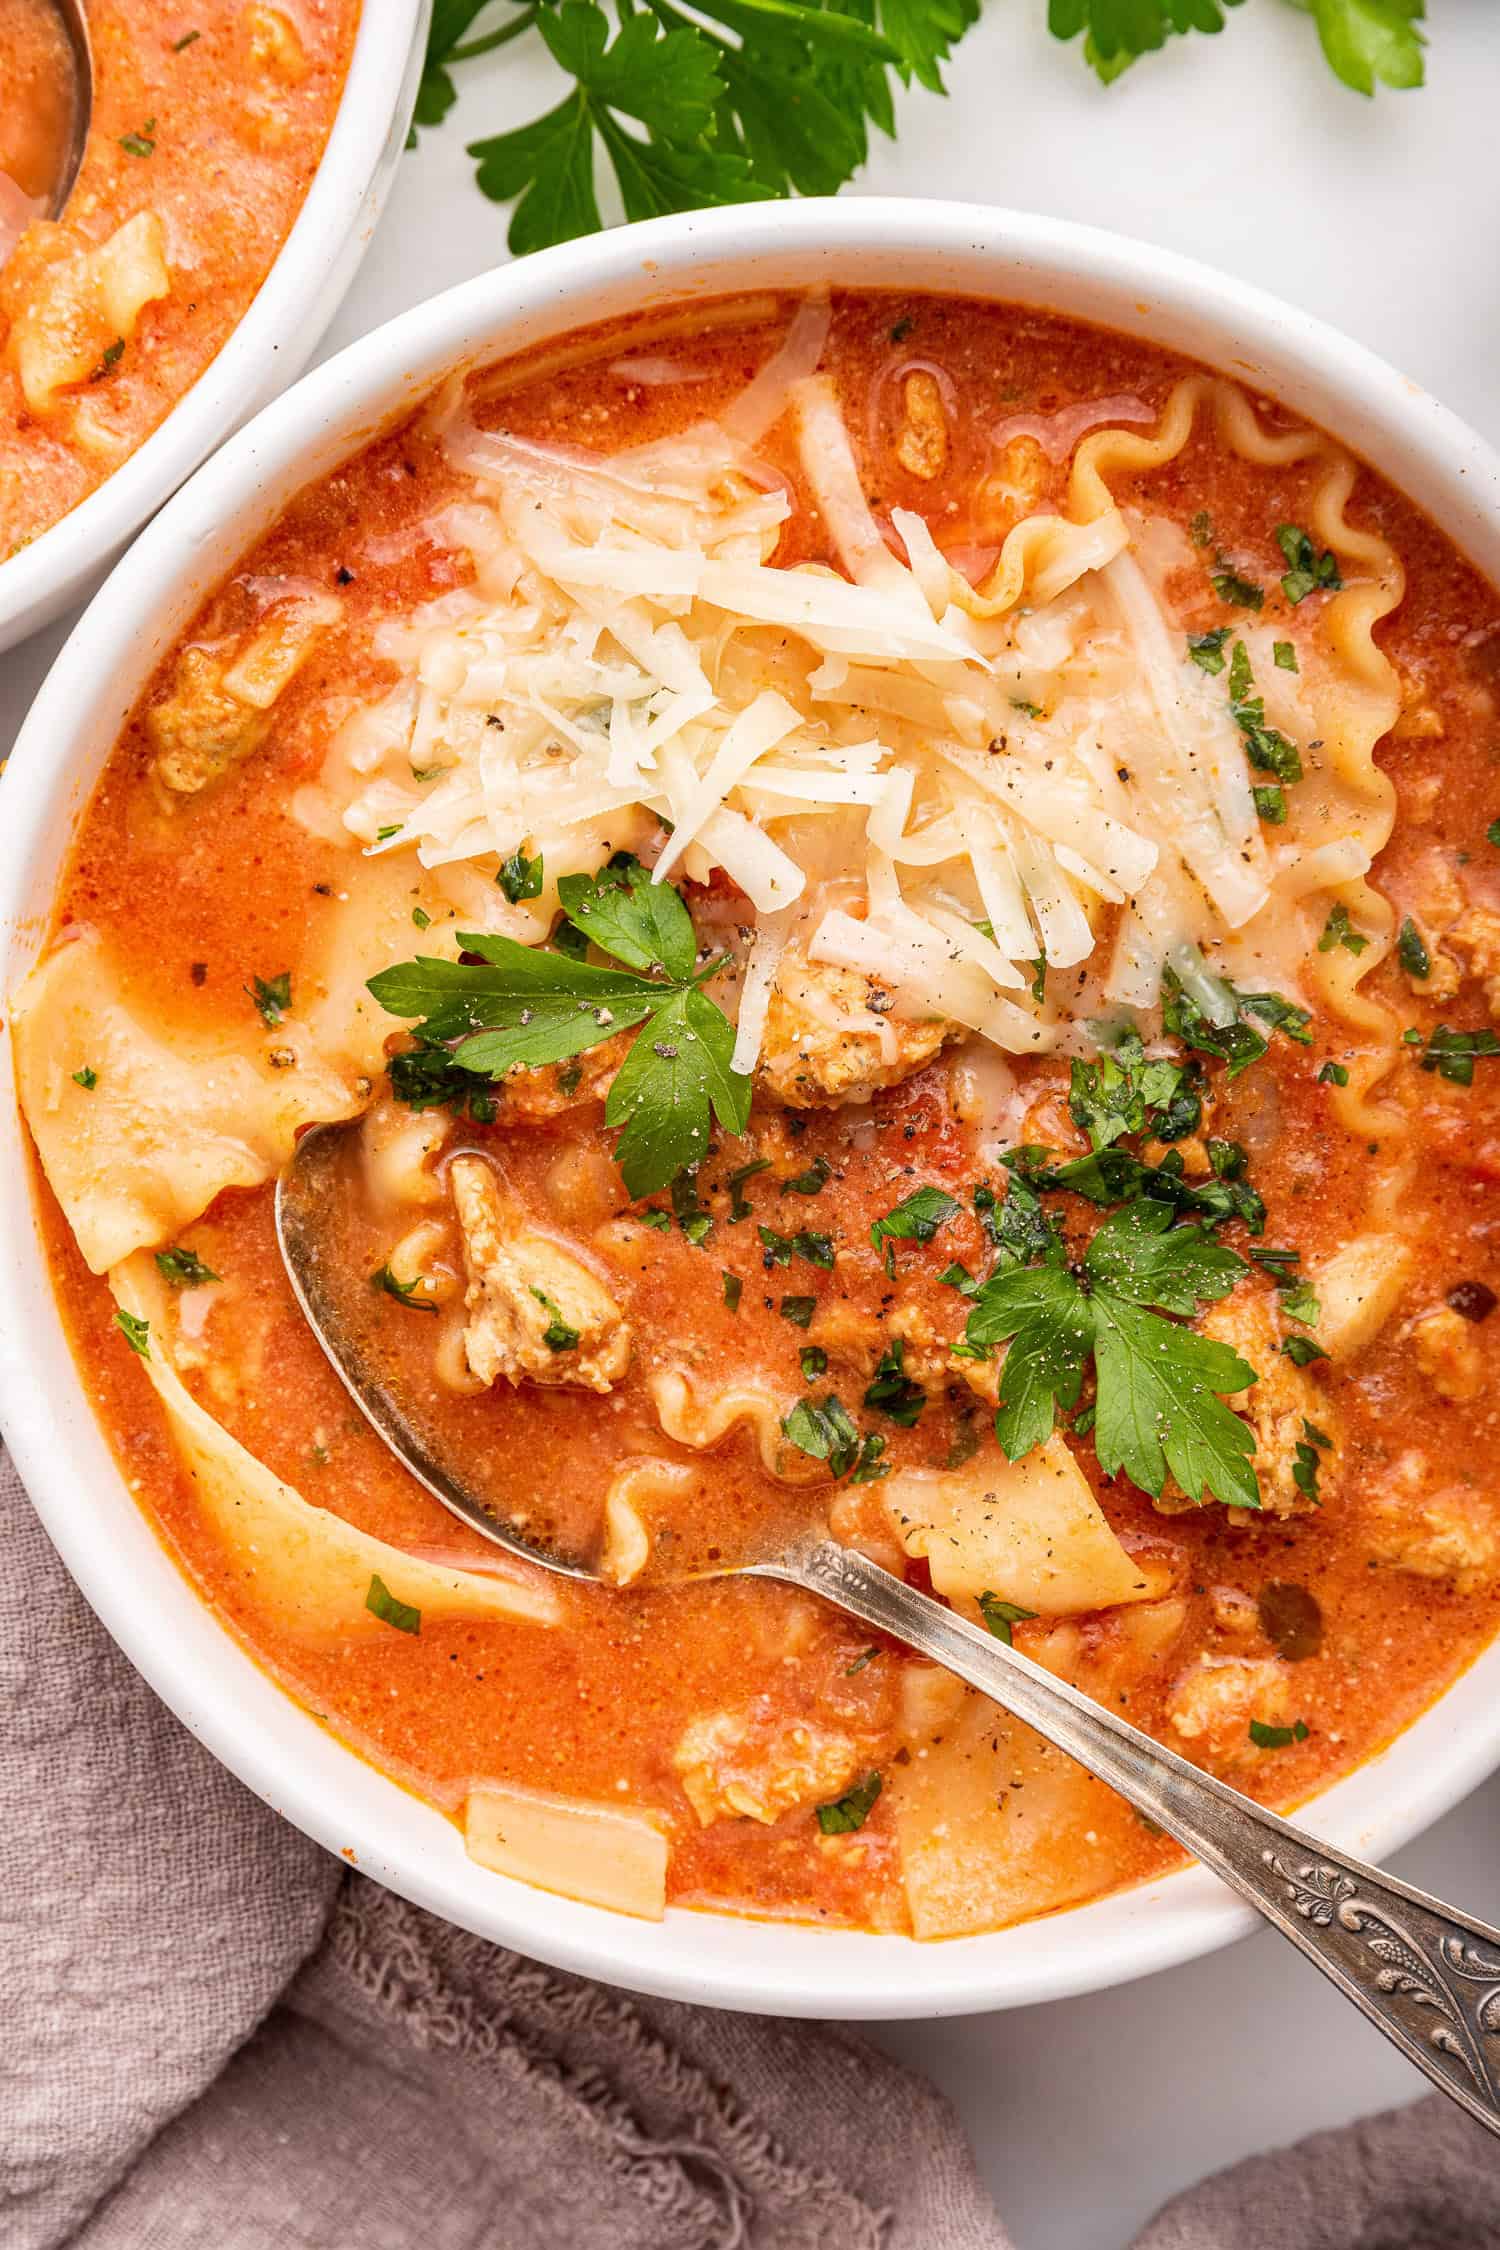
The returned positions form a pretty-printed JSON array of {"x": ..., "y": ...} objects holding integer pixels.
[{"x": 905, "y": 956}]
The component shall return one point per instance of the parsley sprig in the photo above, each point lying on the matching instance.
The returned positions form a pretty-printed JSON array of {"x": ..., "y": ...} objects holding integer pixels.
[
  {"x": 694, "y": 102},
  {"x": 1161, "y": 1386},
  {"x": 521, "y": 1007}
]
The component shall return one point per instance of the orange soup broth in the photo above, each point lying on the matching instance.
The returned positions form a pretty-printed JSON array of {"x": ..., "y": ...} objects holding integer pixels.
[{"x": 198, "y": 904}]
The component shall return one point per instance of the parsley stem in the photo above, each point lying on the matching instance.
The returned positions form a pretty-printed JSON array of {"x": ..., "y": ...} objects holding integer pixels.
[
  {"x": 492, "y": 39},
  {"x": 674, "y": 18}
]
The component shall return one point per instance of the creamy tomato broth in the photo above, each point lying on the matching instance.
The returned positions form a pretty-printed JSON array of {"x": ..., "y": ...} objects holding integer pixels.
[
  {"x": 207, "y": 125},
  {"x": 926, "y": 876}
]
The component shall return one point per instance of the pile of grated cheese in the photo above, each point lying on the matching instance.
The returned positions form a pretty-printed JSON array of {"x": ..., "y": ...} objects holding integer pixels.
[{"x": 902, "y": 778}]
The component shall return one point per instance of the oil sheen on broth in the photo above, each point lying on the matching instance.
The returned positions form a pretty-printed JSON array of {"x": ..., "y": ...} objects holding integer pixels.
[{"x": 951, "y": 852}]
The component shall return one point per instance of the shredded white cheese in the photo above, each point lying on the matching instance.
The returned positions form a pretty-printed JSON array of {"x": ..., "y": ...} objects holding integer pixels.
[{"x": 900, "y": 782}]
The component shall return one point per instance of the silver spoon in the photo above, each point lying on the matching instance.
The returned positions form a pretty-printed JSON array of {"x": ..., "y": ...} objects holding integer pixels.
[
  {"x": 75, "y": 26},
  {"x": 1428, "y": 1977}
]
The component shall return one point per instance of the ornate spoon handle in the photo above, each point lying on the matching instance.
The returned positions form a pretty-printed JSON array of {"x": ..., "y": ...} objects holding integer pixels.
[{"x": 1427, "y": 1977}]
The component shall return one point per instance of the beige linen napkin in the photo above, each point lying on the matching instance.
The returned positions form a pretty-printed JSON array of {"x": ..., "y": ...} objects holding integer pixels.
[{"x": 216, "y": 2039}]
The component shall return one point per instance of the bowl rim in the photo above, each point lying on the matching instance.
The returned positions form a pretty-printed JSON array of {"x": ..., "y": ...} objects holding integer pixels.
[
  {"x": 148, "y": 1606},
  {"x": 299, "y": 296}
]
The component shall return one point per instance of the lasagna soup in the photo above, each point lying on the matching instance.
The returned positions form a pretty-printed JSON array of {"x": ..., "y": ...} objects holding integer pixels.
[
  {"x": 208, "y": 122},
  {"x": 901, "y": 899}
]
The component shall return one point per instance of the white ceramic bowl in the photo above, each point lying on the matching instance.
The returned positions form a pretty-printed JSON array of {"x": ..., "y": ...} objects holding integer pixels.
[
  {"x": 269, "y": 346},
  {"x": 78, "y": 1490}
]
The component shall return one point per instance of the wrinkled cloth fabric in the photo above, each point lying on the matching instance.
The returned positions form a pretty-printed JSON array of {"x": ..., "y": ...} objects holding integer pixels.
[{"x": 215, "y": 2035}]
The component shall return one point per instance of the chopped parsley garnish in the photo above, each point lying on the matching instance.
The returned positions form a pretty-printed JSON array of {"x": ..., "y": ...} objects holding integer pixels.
[
  {"x": 892, "y": 1391},
  {"x": 1302, "y": 1351},
  {"x": 421, "y": 917},
  {"x": 659, "y": 1221},
  {"x": 1236, "y": 1043},
  {"x": 1281, "y": 1014},
  {"x": 739, "y": 1208},
  {"x": 1492, "y": 833},
  {"x": 1267, "y": 750},
  {"x": 1233, "y": 590},
  {"x": 382, "y": 1603},
  {"x": 826, "y": 1431},
  {"x": 1338, "y": 930},
  {"x": 558, "y": 1336},
  {"x": 798, "y": 1310},
  {"x": 1277, "y": 1263},
  {"x": 392, "y": 828},
  {"x": 813, "y": 1361},
  {"x": 812, "y": 1181},
  {"x": 136, "y": 1332},
  {"x": 1114, "y": 1175},
  {"x": 1333, "y": 1074},
  {"x": 1276, "y": 1738},
  {"x": 272, "y": 997},
  {"x": 1207, "y": 649},
  {"x": 183, "y": 1268},
  {"x": 1307, "y": 572},
  {"x": 520, "y": 877},
  {"x": 425, "y": 1077},
  {"x": 1270, "y": 802},
  {"x": 696, "y": 1222},
  {"x": 1201, "y": 529},
  {"x": 142, "y": 143},
  {"x": 1453, "y": 1054},
  {"x": 405, "y": 1292},
  {"x": 87, "y": 1078},
  {"x": 848, "y": 1813},
  {"x": 1038, "y": 969},
  {"x": 1298, "y": 1301},
  {"x": 916, "y": 1218},
  {"x": 1000, "y": 1616},
  {"x": 1411, "y": 951},
  {"x": 1284, "y": 656},
  {"x": 522, "y": 1007},
  {"x": 812, "y": 1249},
  {"x": 1160, "y": 1407},
  {"x": 1305, "y": 1463},
  {"x": 1124, "y": 1093},
  {"x": 108, "y": 360},
  {"x": 734, "y": 1289},
  {"x": 864, "y": 1657}
]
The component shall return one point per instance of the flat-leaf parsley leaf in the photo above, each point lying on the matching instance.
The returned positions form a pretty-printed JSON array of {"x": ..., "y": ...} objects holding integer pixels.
[
  {"x": 1160, "y": 1408},
  {"x": 521, "y": 1007}
]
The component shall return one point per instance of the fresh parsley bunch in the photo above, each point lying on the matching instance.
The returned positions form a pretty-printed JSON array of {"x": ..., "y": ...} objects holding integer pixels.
[
  {"x": 521, "y": 1007},
  {"x": 731, "y": 101}
]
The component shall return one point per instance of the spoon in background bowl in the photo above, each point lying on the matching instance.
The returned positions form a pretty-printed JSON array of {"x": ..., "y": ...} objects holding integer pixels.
[
  {"x": 1428, "y": 1977},
  {"x": 46, "y": 99}
]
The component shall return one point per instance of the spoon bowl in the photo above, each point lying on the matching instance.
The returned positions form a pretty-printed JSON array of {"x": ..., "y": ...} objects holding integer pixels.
[
  {"x": 310, "y": 1193},
  {"x": 43, "y": 136},
  {"x": 1443, "y": 2011}
]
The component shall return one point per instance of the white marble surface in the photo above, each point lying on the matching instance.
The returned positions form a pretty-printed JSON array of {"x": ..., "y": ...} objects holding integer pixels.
[{"x": 1383, "y": 217}]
